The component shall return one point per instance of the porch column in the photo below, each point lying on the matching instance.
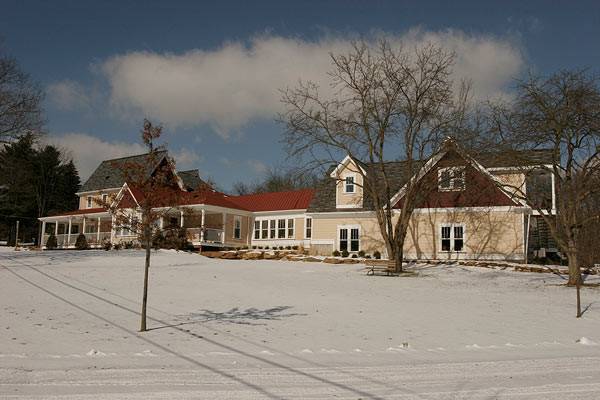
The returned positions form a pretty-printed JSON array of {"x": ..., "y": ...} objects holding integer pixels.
[
  {"x": 98, "y": 232},
  {"x": 202, "y": 226},
  {"x": 224, "y": 227},
  {"x": 112, "y": 228},
  {"x": 83, "y": 228},
  {"x": 43, "y": 233},
  {"x": 181, "y": 219},
  {"x": 56, "y": 228},
  {"x": 69, "y": 234},
  {"x": 161, "y": 222}
]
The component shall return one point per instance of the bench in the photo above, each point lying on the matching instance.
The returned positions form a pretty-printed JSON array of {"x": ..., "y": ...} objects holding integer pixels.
[{"x": 386, "y": 267}]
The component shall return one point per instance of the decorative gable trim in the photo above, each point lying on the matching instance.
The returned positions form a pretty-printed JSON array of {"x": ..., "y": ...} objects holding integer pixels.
[
  {"x": 124, "y": 189},
  {"x": 342, "y": 165}
]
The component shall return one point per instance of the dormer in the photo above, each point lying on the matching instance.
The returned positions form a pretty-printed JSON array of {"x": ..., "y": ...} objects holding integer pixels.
[{"x": 348, "y": 176}]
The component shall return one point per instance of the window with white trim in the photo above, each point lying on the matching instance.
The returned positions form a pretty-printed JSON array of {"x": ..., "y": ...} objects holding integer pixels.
[
  {"x": 89, "y": 202},
  {"x": 104, "y": 198},
  {"x": 452, "y": 238},
  {"x": 256, "y": 229},
  {"x": 308, "y": 228},
  {"x": 265, "y": 229},
  {"x": 290, "y": 228},
  {"x": 349, "y": 184},
  {"x": 281, "y": 228},
  {"x": 349, "y": 239},
  {"x": 451, "y": 179},
  {"x": 237, "y": 227}
]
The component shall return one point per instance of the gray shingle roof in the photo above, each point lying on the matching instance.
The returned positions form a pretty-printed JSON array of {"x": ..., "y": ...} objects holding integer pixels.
[
  {"x": 397, "y": 172},
  {"x": 109, "y": 173},
  {"x": 191, "y": 179}
]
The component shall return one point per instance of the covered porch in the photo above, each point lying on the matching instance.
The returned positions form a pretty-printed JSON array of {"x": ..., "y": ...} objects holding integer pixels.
[
  {"x": 95, "y": 225},
  {"x": 204, "y": 227}
]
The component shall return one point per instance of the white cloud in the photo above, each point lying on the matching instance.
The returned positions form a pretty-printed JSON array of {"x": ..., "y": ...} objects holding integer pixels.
[
  {"x": 237, "y": 83},
  {"x": 68, "y": 95},
  {"x": 258, "y": 166},
  {"x": 88, "y": 151}
]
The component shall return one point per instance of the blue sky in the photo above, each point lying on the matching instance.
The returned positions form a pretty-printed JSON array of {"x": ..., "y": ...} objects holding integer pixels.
[{"x": 209, "y": 71}]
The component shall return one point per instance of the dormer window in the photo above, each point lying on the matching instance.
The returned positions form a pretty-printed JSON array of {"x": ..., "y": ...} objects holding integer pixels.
[
  {"x": 349, "y": 184},
  {"x": 104, "y": 198},
  {"x": 451, "y": 179},
  {"x": 89, "y": 202}
]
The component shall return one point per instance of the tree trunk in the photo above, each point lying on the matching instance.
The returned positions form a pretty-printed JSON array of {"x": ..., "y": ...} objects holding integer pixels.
[
  {"x": 578, "y": 287},
  {"x": 574, "y": 269},
  {"x": 398, "y": 259},
  {"x": 145, "y": 295}
]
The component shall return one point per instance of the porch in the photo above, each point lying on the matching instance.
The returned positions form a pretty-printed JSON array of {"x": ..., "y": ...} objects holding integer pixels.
[
  {"x": 203, "y": 228},
  {"x": 97, "y": 228}
]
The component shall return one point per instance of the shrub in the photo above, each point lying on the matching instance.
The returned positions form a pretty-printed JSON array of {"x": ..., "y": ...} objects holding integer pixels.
[
  {"x": 345, "y": 253},
  {"x": 260, "y": 247},
  {"x": 253, "y": 247},
  {"x": 128, "y": 245},
  {"x": 376, "y": 255},
  {"x": 281, "y": 247},
  {"x": 118, "y": 246},
  {"x": 361, "y": 253},
  {"x": 107, "y": 245},
  {"x": 81, "y": 242},
  {"x": 336, "y": 253},
  {"x": 266, "y": 247},
  {"x": 368, "y": 256},
  {"x": 51, "y": 243},
  {"x": 294, "y": 247},
  {"x": 288, "y": 247},
  {"x": 354, "y": 256}
]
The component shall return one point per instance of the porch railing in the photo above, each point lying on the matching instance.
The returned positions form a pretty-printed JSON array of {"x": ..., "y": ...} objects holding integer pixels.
[
  {"x": 63, "y": 240},
  {"x": 211, "y": 235}
]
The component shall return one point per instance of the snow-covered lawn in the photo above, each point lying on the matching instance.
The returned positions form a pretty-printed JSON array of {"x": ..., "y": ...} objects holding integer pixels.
[{"x": 223, "y": 329}]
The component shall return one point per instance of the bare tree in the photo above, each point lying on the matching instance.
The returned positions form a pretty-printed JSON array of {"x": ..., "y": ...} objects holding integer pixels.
[
  {"x": 278, "y": 180},
  {"x": 20, "y": 110},
  {"x": 389, "y": 103},
  {"x": 562, "y": 113},
  {"x": 152, "y": 192}
]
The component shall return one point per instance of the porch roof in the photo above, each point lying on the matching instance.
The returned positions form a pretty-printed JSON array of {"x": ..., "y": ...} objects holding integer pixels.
[{"x": 85, "y": 212}]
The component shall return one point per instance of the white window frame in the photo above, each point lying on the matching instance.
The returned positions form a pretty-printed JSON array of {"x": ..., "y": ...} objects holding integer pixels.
[
  {"x": 89, "y": 202},
  {"x": 237, "y": 230},
  {"x": 264, "y": 232},
  {"x": 349, "y": 239},
  {"x": 281, "y": 228},
  {"x": 104, "y": 198},
  {"x": 291, "y": 228},
  {"x": 452, "y": 238},
  {"x": 306, "y": 227},
  {"x": 451, "y": 184},
  {"x": 256, "y": 230},
  {"x": 345, "y": 183}
]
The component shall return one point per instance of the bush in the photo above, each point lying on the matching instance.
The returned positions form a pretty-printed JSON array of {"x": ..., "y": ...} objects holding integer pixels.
[
  {"x": 336, "y": 253},
  {"x": 253, "y": 247},
  {"x": 345, "y": 253},
  {"x": 107, "y": 245},
  {"x": 294, "y": 247},
  {"x": 376, "y": 255},
  {"x": 118, "y": 246},
  {"x": 51, "y": 243},
  {"x": 288, "y": 247},
  {"x": 266, "y": 247},
  {"x": 354, "y": 256},
  {"x": 368, "y": 256},
  {"x": 81, "y": 242},
  {"x": 281, "y": 247},
  {"x": 128, "y": 245},
  {"x": 361, "y": 253},
  {"x": 260, "y": 247}
]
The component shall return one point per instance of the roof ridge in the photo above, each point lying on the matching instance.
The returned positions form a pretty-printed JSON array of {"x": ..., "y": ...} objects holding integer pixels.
[{"x": 132, "y": 156}]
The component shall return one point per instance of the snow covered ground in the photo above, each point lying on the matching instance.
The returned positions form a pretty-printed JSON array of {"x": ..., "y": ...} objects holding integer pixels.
[{"x": 224, "y": 329}]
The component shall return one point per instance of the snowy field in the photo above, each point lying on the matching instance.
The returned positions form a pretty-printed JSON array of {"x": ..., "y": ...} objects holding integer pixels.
[{"x": 225, "y": 329}]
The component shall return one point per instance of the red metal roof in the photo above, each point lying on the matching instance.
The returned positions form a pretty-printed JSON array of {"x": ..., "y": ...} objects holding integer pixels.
[
  {"x": 275, "y": 201},
  {"x": 79, "y": 212}
]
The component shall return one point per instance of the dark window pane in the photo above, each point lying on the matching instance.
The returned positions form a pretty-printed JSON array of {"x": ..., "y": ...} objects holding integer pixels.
[
  {"x": 354, "y": 245},
  {"x": 458, "y": 245},
  {"x": 445, "y": 244},
  {"x": 343, "y": 245}
]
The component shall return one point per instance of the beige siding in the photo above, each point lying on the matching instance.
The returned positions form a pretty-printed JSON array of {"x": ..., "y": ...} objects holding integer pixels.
[
  {"x": 96, "y": 197},
  {"x": 514, "y": 181},
  {"x": 349, "y": 199},
  {"x": 229, "y": 239},
  {"x": 488, "y": 235},
  {"x": 299, "y": 228}
]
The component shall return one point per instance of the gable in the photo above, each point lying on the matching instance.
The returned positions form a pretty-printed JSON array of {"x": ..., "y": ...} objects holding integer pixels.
[{"x": 479, "y": 191}]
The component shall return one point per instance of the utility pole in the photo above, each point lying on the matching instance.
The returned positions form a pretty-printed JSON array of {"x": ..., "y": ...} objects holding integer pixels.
[{"x": 17, "y": 236}]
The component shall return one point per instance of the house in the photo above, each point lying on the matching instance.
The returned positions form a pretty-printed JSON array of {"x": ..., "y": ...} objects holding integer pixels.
[{"x": 470, "y": 213}]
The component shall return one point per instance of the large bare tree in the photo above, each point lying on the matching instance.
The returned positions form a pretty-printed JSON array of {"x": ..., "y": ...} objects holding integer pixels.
[
  {"x": 388, "y": 103},
  {"x": 560, "y": 112},
  {"x": 20, "y": 109}
]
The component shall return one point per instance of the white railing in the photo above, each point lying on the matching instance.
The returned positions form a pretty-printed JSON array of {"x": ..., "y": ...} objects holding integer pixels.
[{"x": 63, "y": 240}]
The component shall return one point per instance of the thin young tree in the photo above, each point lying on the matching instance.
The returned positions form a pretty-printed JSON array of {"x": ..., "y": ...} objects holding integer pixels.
[
  {"x": 151, "y": 193},
  {"x": 560, "y": 112},
  {"x": 389, "y": 103}
]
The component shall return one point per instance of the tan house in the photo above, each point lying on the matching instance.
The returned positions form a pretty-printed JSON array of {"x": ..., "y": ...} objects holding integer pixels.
[{"x": 470, "y": 214}]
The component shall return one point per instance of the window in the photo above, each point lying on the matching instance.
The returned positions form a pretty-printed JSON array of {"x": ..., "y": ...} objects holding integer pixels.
[
  {"x": 349, "y": 184},
  {"x": 256, "y": 229},
  {"x": 237, "y": 227},
  {"x": 89, "y": 202},
  {"x": 453, "y": 238},
  {"x": 349, "y": 239},
  {"x": 272, "y": 224},
  {"x": 290, "y": 228},
  {"x": 173, "y": 221},
  {"x": 265, "y": 229},
  {"x": 104, "y": 198},
  {"x": 308, "y": 228},
  {"x": 74, "y": 229},
  {"x": 281, "y": 228},
  {"x": 451, "y": 179}
]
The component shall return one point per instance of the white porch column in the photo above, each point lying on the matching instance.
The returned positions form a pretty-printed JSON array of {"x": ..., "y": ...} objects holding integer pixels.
[
  {"x": 112, "y": 229},
  {"x": 56, "y": 228},
  {"x": 83, "y": 228},
  {"x": 202, "y": 226},
  {"x": 181, "y": 219},
  {"x": 161, "y": 222},
  {"x": 69, "y": 233},
  {"x": 43, "y": 233},
  {"x": 224, "y": 227},
  {"x": 98, "y": 232}
]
